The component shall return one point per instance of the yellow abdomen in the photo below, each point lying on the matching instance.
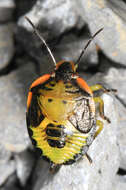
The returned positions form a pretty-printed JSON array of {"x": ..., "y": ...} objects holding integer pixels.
[
  {"x": 73, "y": 141},
  {"x": 56, "y": 136}
]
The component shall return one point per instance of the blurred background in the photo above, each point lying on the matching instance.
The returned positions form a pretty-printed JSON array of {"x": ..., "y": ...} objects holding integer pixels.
[{"x": 66, "y": 25}]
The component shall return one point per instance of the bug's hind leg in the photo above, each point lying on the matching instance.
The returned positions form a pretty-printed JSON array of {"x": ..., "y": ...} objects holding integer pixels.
[
  {"x": 54, "y": 167},
  {"x": 101, "y": 108},
  {"x": 100, "y": 127},
  {"x": 89, "y": 158}
]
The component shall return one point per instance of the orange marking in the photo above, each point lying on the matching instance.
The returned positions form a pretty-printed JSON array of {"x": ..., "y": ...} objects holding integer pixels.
[
  {"x": 40, "y": 80},
  {"x": 84, "y": 85},
  {"x": 29, "y": 99}
]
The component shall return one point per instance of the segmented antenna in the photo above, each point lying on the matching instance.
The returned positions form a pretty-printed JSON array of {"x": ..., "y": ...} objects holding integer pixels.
[
  {"x": 83, "y": 51},
  {"x": 42, "y": 39}
]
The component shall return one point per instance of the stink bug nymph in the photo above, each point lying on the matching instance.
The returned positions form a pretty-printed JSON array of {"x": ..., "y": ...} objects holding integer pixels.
[{"x": 61, "y": 118}]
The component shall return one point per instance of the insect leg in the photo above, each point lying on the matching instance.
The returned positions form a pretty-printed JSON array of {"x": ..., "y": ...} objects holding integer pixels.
[
  {"x": 54, "y": 167},
  {"x": 101, "y": 108},
  {"x": 100, "y": 127},
  {"x": 89, "y": 158},
  {"x": 98, "y": 87}
]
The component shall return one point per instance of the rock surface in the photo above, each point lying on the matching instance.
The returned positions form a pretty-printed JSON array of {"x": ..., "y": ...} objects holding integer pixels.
[
  {"x": 24, "y": 164},
  {"x": 6, "y": 169},
  {"x": 58, "y": 16},
  {"x": 120, "y": 183},
  {"x": 6, "y": 44},
  {"x": 6, "y": 10},
  {"x": 109, "y": 15}
]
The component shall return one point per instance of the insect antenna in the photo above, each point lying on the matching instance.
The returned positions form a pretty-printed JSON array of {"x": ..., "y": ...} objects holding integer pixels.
[
  {"x": 83, "y": 51},
  {"x": 42, "y": 39}
]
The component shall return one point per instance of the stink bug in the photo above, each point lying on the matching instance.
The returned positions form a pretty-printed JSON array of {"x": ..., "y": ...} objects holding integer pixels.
[{"x": 61, "y": 118}]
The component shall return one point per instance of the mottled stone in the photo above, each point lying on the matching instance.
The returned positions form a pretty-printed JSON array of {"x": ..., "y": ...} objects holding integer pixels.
[
  {"x": 71, "y": 47},
  {"x": 23, "y": 6},
  {"x": 11, "y": 183},
  {"x": 83, "y": 175},
  {"x": 13, "y": 90},
  {"x": 6, "y": 44},
  {"x": 57, "y": 17},
  {"x": 109, "y": 15},
  {"x": 116, "y": 78},
  {"x": 52, "y": 20},
  {"x": 120, "y": 183},
  {"x": 6, "y": 10},
  {"x": 24, "y": 165},
  {"x": 6, "y": 169},
  {"x": 121, "y": 134}
]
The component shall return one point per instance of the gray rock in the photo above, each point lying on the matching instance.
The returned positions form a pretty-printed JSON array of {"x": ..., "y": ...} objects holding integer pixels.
[
  {"x": 53, "y": 19},
  {"x": 116, "y": 78},
  {"x": 120, "y": 183},
  {"x": 6, "y": 169},
  {"x": 4, "y": 154},
  {"x": 11, "y": 183},
  {"x": 71, "y": 47},
  {"x": 23, "y": 6},
  {"x": 121, "y": 134},
  {"x": 6, "y": 44},
  {"x": 24, "y": 165},
  {"x": 82, "y": 175},
  {"x": 106, "y": 14},
  {"x": 13, "y": 90},
  {"x": 58, "y": 16},
  {"x": 6, "y": 10},
  {"x": 68, "y": 49}
]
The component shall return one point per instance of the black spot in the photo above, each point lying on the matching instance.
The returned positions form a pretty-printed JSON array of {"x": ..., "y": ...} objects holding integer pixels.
[
  {"x": 52, "y": 84},
  {"x": 58, "y": 131},
  {"x": 99, "y": 171},
  {"x": 50, "y": 100},
  {"x": 55, "y": 121},
  {"x": 46, "y": 88},
  {"x": 56, "y": 143},
  {"x": 64, "y": 102},
  {"x": 50, "y": 125},
  {"x": 34, "y": 142},
  {"x": 61, "y": 126},
  {"x": 53, "y": 132},
  {"x": 68, "y": 86}
]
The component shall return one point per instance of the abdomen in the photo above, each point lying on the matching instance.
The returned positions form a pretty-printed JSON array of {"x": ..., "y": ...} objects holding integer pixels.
[{"x": 60, "y": 142}]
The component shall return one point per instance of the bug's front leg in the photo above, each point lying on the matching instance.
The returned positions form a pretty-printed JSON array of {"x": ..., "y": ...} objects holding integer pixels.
[
  {"x": 99, "y": 87},
  {"x": 97, "y": 99}
]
